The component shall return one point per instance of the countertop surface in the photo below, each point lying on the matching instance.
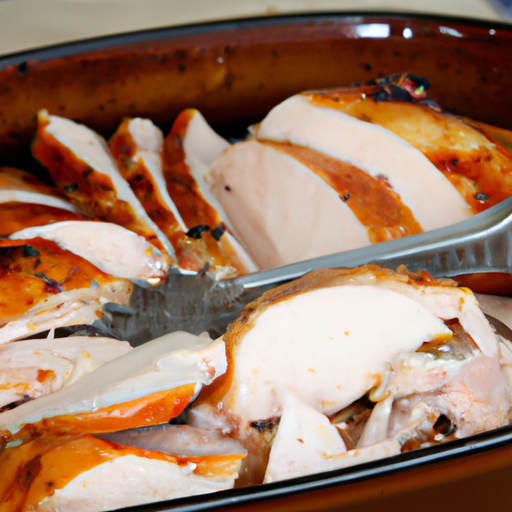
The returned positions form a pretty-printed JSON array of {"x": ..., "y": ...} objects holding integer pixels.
[{"x": 26, "y": 24}]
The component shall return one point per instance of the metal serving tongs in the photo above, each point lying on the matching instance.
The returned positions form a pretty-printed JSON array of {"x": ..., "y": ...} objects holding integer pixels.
[{"x": 480, "y": 244}]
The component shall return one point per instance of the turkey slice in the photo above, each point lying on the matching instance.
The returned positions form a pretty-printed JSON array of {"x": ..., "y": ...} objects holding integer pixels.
[
  {"x": 86, "y": 474},
  {"x": 111, "y": 248},
  {"x": 43, "y": 287},
  {"x": 433, "y": 200},
  {"x": 34, "y": 368},
  {"x": 22, "y": 187},
  {"x": 306, "y": 443},
  {"x": 189, "y": 150},
  {"x": 149, "y": 385},
  {"x": 475, "y": 157},
  {"x": 281, "y": 210},
  {"x": 328, "y": 341},
  {"x": 80, "y": 163}
]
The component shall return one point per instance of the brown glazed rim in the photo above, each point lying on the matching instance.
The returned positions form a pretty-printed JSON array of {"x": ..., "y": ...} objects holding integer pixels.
[
  {"x": 99, "y": 81},
  {"x": 46, "y": 53}
]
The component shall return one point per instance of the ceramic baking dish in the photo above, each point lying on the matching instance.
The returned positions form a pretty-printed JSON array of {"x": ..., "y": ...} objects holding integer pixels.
[{"x": 234, "y": 72}]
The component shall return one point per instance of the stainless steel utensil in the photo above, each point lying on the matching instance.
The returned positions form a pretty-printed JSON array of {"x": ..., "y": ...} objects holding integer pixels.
[{"x": 480, "y": 244}]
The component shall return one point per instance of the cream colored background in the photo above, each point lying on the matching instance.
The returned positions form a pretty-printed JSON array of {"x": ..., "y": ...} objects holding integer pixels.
[{"x": 26, "y": 24}]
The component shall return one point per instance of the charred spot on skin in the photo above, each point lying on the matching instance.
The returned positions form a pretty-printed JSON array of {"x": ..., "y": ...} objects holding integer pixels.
[
  {"x": 382, "y": 95},
  {"x": 127, "y": 162},
  {"x": 419, "y": 81},
  {"x": 29, "y": 472},
  {"x": 53, "y": 286},
  {"x": 399, "y": 94},
  {"x": 454, "y": 162},
  {"x": 401, "y": 87},
  {"x": 267, "y": 425},
  {"x": 12, "y": 405},
  {"x": 481, "y": 198},
  {"x": 86, "y": 174},
  {"x": 218, "y": 232},
  {"x": 345, "y": 198},
  {"x": 198, "y": 231},
  {"x": 29, "y": 251},
  {"x": 181, "y": 68},
  {"x": 69, "y": 189},
  {"x": 22, "y": 68},
  {"x": 227, "y": 187},
  {"x": 7, "y": 250}
]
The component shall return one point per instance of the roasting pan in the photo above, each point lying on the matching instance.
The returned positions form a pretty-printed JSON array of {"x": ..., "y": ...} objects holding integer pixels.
[{"x": 234, "y": 72}]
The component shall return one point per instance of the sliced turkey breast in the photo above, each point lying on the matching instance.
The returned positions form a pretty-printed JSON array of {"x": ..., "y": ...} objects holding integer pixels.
[
  {"x": 86, "y": 474},
  {"x": 80, "y": 163},
  {"x": 149, "y": 385},
  {"x": 111, "y": 248},
  {"x": 43, "y": 287},
  {"x": 34, "y": 368}
]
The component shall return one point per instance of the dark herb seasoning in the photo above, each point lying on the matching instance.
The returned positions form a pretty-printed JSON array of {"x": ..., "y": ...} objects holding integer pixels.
[
  {"x": 218, "y": 231},
  {"x": 53, "y": 285},
  {"x": 267, "y": 425},
  {"x": 12, "y": 405},
  {"x": 29, "y": 251},
  {"x": 381, "y": 95},
  {"x": 399, "y": 94},
  {"x": 198, "y": 231},
  {"x": 69, "y": 189},
  {"x": 205, "y": 269}
]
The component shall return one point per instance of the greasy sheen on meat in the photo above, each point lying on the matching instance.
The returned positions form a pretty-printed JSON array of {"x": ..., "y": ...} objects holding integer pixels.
[
  {"x": 420, "y": 349},
  {"x": 25, "y": 202},
  {"x": 190, "y": 148},
  {"x": 43, "y": 286},
  {"x": 148, "y": 385},
  {"x": 32, "y": 209},
  {"x": 33, "y": 368},
  {"x": 81, "y": 165},
  {"x": 357, "y": 165},
  {"x": 137, "y": 147},
  {"x": 87, "y": 474},
  {"x": 111, "y": 248},
  {"x": 468, "y": 153}
]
